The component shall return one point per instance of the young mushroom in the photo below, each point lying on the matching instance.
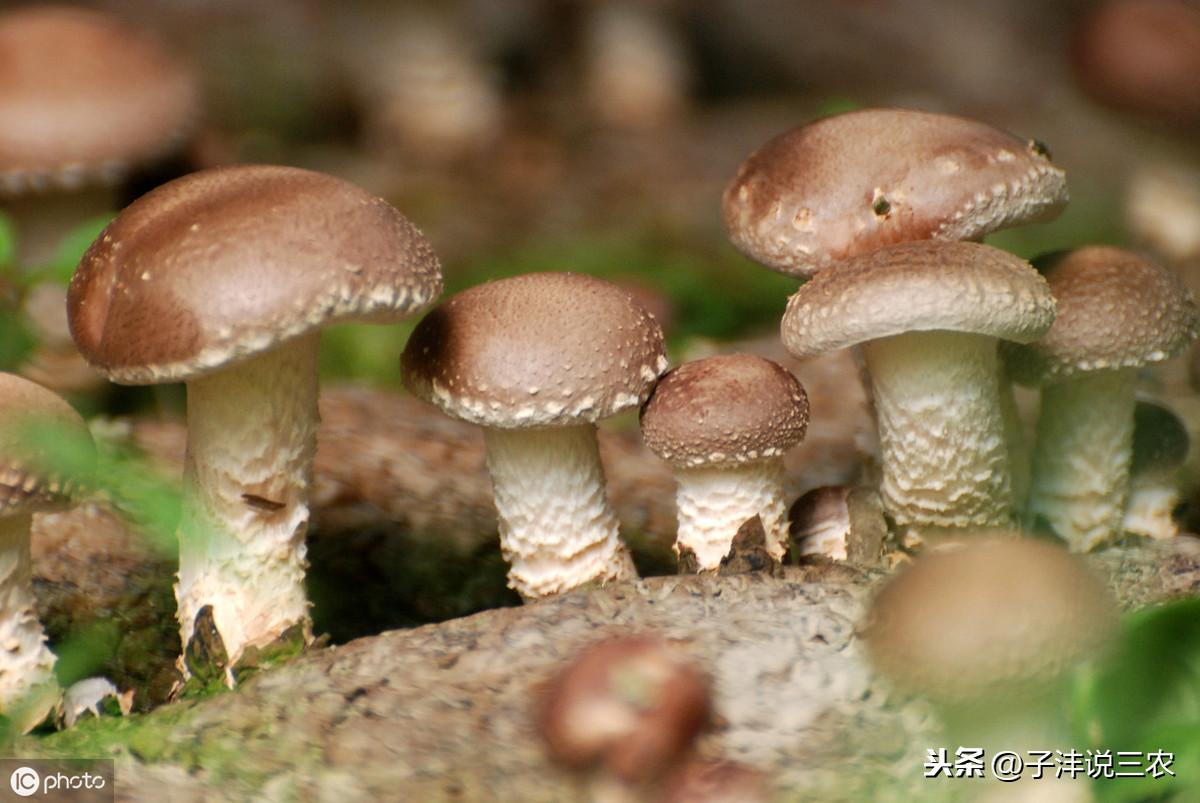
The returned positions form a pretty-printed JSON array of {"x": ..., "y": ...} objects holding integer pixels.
[
  {"x": 628, "y": 710},
  {"x": 987, "y": 630},
  {"x": 1160, "y": 447},
  {"x": 536, "y": 361},
  {"x": 1117, "y": 311},
  {"x": 34, "y": 421},
  {"x": 224, "y": 279},
  {"x": 928, "y": 315},
  {"x": 724, "y": 424},
  {"x": 854, "y": 182}
]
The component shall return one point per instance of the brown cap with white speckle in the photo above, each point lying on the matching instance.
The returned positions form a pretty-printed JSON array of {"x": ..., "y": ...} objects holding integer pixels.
[
  {"x": 1116, "y": 309},
  {"x": 855, "y": 182},
  {"x": 919, "y": 286},
  {"x": 230, "y": 262},
  {"x": 30, "y": 418},
  {"x": 84, "y": 98},
  {"x": 544, "y": 349},
  {"x": 725, "y": 410}
]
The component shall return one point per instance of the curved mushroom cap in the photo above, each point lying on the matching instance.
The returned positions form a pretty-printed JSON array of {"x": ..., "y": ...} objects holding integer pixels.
[
  {"x": 1116, "y": 309},
  {"x": 629, "y": 704},
  {"x": 725, "y": 410},
  {"x": 1142, "y": 56},
  {"x": 544, "y": 349},
  {"x": 84, "y": 98},
  {"x": 35, "y": 426},
  {"x": 226, "y": 263},
  {"x": 858, "y": 181},
  {"x": 918, "y": 286},
  {"x": 1034, "y": 611}
]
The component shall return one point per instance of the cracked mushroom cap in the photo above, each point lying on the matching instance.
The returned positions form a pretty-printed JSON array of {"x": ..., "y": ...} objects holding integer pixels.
[
  {"x": 36, "y": 423},
  {"x": 543, "y": 349},
  {"x": 84, "y": 98},
  {"x": 854, "y": 182},
  {"x": 630, "y": 704},
  {"x": 226, "y": 263},
  {"x": 986, "y": 619},
  {"x": 1116, "y": 309},
  {"x": 726, "y": 410},
  {"x": 924, "y": 285}
]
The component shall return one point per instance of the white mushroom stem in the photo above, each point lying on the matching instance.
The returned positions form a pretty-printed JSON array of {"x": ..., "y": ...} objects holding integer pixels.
[
  {"x": 941, "y": 431},
  {"x": 28, "y": 689},
  {"x": 557, "y": 530},
  {"x": 1150, "y": 509},
  {"x": 1082, "y": 455},
  {"x": 252, "y": 430},
  {"x": 713, "y": 502}
]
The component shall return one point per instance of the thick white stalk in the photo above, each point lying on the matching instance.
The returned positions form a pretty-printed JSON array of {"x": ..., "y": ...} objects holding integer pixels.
[
  {"x": 942, "y": 437},
  {"x": 713, "y": 502},
  {"x": 1082, "y": 456},
  {"x": 557, "y": 530},
  {"x": 28, "y": 689},
  {"x": 252, "y": 430}
]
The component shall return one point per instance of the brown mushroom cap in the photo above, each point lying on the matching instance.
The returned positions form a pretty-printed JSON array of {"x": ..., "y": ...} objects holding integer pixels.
[
  {"x": 226, "y": 263},
  {"x": 858, "y": 181},
  {"x": 1116, "y": 309},
  {"x": 83, "y": 98},
  {"x": 27, "y": 484},
  {"x": 1142, "y": 56},
  {"x": 919, "y": 286},
  {"x": 1034, "y": 612},
  {"x": 542, "y": 349},
  {"x": 628, "y": 704},
  {"x": 725, "y": 410}
]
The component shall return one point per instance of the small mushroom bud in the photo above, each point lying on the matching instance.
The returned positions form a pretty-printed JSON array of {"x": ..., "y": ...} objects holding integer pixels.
[{"x": 628, "y": 708}]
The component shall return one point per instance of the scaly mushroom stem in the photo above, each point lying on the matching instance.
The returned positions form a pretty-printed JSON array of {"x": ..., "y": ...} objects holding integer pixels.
[
  {"x": 1150, "y": 507},
  {"x": 557, "y": 530},
  {"x": 713, "y": 502},
  {"x": 941, "y": 431},
  {"x": 252, "y": 431},
  {"x": 1082, "y": 456},
  {"x": 28, "y": 689}
]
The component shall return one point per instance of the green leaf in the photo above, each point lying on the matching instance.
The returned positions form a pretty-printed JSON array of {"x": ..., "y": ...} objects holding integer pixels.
[
  {"x": 1146, "y": 697},
  {"x": 61, "y": 266},
  {"x": 8, "y": 242}
]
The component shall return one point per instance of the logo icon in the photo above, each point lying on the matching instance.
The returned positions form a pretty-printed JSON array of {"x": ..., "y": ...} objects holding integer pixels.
[{"x": 25, "y": 781}]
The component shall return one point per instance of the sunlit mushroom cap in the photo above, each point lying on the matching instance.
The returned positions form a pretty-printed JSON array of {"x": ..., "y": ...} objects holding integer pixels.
[
  {"x": 991, "y": 617},
  {"x": 84, "y": 98},
  {"x": 230, "y": 262},
  {"x": 725, "y": 410},
  {"x": 1116, "y": 309},
  {"x": 36, "y": 427},
  {"x": 858, "y": 181},
  {"x": 544, "y": 349},
  {"x": 919, "y": 286}
]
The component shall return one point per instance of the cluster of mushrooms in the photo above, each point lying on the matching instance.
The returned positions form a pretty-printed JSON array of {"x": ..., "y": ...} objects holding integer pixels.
[{"x": 224, "y": 278}]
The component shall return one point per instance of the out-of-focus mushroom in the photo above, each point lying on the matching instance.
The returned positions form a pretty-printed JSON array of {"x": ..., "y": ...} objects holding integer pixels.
[
  {"x": 724, "y": 424},
  {"x": 537, "y": 360},
  {"x": 987, "y": 630},
  {"x": 928, "y": 315},
  {"x": 84, "y": 99},
  {"x": 1162, "y": 209},
  {"x": 840, "y": 523},
  {"x": 1117, "y": 311},
  {"x": 854, "y": 182},
  {"x": 1142, "y": 56},
  {"x": 1160, "y": 447},
  {"x": 35, "y": 422},
  {"x": 626, "y": 709},
  {"x": 223, "y": 279}
]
